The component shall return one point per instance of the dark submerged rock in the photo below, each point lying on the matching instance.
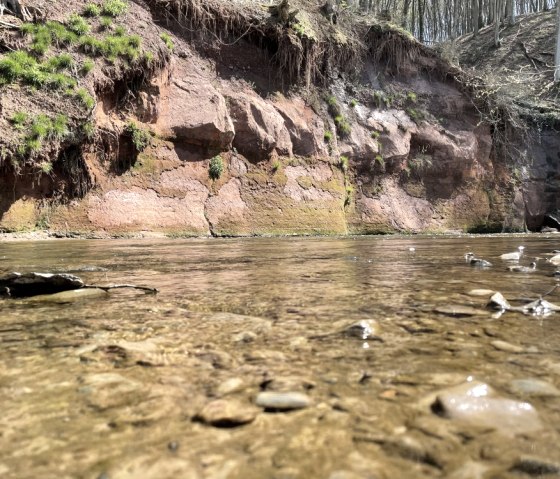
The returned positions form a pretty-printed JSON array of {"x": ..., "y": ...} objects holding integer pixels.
[
  {"x": 21, "y": 285},
  {"x": 536, "y": 466}
]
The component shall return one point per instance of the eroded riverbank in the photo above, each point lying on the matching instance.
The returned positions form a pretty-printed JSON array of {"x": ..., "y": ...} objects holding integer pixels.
[{"x": 133, "y": 385}]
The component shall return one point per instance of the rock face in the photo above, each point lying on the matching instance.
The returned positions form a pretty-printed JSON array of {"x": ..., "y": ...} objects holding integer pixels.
[
  {"x": 414, "y": 166},
  {"x": 259, "y": 128},
  {"x": 193, "y": 111}
]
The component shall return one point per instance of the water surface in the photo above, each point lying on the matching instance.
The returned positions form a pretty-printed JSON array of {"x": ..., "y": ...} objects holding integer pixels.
[{"x": 113, "y": 387}]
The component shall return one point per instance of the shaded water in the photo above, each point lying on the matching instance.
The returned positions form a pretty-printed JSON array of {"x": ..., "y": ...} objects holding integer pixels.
[{"x": 114, "y": 387}]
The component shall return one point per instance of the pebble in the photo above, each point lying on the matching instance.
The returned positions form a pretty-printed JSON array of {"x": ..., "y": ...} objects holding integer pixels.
[
  {"x": 226, "y": 413},
  {"x": 507, "y": 347},
  {"x": 229, "y": 386},
  {"x": 533, "y": 387},
  {"x": 481, "y": 292},
  {"x": 536, "y": 466},
  {"x": 555, "y": 260},
  {"x": 510, "y": 256},
  {"x": 283, "y": 401},
  {"x": 457, "y": 311}
]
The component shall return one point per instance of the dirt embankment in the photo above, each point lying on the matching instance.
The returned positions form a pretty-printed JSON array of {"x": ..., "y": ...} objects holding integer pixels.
[
  {"x": 518, "y": 78},
  {"x": 230, "y": 118}
]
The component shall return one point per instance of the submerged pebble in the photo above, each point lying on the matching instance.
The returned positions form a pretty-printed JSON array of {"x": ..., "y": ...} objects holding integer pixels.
[
  {"x": 481, "y": 292},
  {"x": 535, "y": 466},
  {"x": 226, "y": 413},
  {"x": 507, "y": 347},
  {"x": 533, "y": 387},
  {"x": 457, "y": 310},
  {"x": 282, "y": 401}
]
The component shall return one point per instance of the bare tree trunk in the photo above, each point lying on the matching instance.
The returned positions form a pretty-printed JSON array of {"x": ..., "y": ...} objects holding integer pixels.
[
  {"x": 475, "y": 17},
  {"x": 421, "y": 10},
  {"x": 557, "y": 56},
  {"x": 406, "y": 7},
  {"x": 497, "y": 16},
  {"x": 510, "y": 11}
]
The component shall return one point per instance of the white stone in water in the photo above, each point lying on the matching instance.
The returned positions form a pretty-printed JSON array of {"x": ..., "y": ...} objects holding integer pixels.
[
  {"x": 498, "y": 301},
  {"x": 481, "y": 292},
  {"x": 510, "y": 256},
  {"x": 507, "y": 347},
  {"x": 476, "y": 404},
  {"x": 283, "y": 401},
  {"x": 533, "y": 387},
  {"x": 555, "y": 260}
]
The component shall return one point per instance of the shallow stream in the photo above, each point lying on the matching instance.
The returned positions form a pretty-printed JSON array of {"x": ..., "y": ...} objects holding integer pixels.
[{"x": 368, "y": 336}]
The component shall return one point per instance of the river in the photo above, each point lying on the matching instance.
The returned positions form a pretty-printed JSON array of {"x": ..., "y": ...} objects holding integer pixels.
[{"x": 134, "y": 385}]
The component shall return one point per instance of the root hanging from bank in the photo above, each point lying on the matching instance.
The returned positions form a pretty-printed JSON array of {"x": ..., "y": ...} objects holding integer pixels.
[{"x": 300, "y": 58}]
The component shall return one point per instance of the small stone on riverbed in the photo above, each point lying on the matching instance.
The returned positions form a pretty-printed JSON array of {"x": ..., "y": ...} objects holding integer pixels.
[
  {"x": 282, "y": 401},
  {"x": 226, "y": 413},
  {"x": 481, "y": 292},
  {"x": 457, "y": 310},
  {"x": 507, "y": 347},
  {"x": 536, "y": 466},
  {"x": 533, "y": 387}
]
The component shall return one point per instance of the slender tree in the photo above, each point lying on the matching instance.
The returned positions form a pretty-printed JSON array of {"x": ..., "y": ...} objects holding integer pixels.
[
  {"x": 497, "y": 11},
  {"x": 557, "y": 56},
  {"x": 475, "y": 14}
]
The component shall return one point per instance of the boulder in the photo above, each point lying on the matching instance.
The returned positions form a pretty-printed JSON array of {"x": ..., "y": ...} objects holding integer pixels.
[
  {"x": 306, "y": 129},
  {"x": 359, "y": 145},
  {"x": 192, "y": 111},
  {"x": 259, "y": 129}
]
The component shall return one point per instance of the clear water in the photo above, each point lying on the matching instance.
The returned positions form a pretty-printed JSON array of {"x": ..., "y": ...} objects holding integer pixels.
[{"x": 109, "y": 387}]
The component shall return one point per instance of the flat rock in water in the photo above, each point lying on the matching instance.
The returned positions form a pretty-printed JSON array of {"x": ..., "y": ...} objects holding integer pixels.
[
  {"x": 69, "y": 296},
  {"x": 507, "y": 347},
  {"x": 226, "y": 413},
  {"x": 533, "y": 387},
  {"x": 20, "y": 285},
  {"x": 457, "y": 310},
  {"x": 282, "y": 401},
  {"x": 475, "y": 403},
  {"x": 481, "y": 292},
  {"x": 555, "y": 260}
]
